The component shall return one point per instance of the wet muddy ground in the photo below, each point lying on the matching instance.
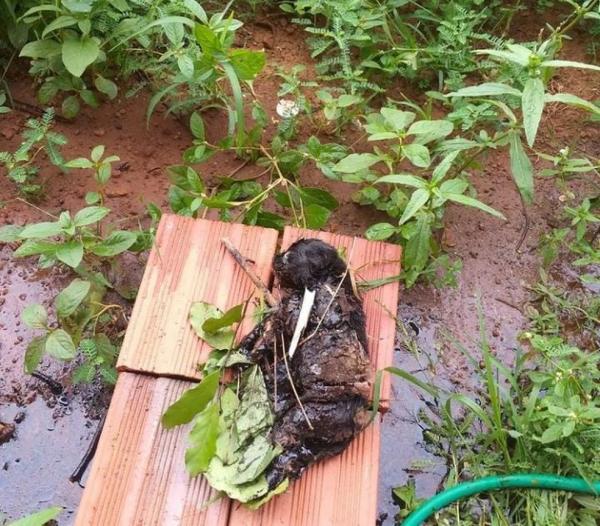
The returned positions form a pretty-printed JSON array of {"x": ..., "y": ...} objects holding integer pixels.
[{"x": 53, "y": 431}]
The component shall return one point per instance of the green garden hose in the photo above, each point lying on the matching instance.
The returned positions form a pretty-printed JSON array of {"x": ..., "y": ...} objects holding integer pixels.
[{"x": 524, "y": 480}]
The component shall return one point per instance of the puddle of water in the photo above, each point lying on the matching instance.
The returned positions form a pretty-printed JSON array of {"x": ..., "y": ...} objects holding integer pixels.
[{"x": 35, "y": 465}]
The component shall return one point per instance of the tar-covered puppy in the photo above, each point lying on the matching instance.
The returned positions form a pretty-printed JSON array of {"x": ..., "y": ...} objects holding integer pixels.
[{"x": 330, "y": 368}]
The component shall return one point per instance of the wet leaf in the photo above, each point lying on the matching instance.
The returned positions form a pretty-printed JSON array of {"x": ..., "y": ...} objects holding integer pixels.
[
  {"x": 255, "y": 459},
  {"x": 35, "y": 316},
  {"x": 40, "y": 518},
  {"x": 192, "y": 401},
  {"x": 117, "y": 242},
  {"x": 380, "y": 231},
  {"x": 316, "y": 216},
  {"x": 71, "y": 297},
  {"x": 59, "y": 344},
  {"x": 233, "y": 315},
  {"x": 70, "y": 253},
  {"x": 34, "y": 353},
  {"x": 203, "y": 440},
  {"x": 200, "y": 312}
]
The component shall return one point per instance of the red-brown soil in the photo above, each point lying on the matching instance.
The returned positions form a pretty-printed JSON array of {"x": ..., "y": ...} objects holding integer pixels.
[{"x": 51, "y": 438}]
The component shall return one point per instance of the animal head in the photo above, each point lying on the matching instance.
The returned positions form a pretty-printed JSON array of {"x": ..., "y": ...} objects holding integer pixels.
[{"x": 307, "y": 263}]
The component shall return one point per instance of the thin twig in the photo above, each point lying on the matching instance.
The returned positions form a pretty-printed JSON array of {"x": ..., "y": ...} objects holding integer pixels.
[
  {"x": 89, "y": 454},
  {"x": 55, "y": 387},
  {"x": 508, "y": 304},
  {"x": 243, "y": 262},
  {"x": 275, "y": 373},
  {"x": 289, "y": 375},
  {"x": 525, "y": 226}
]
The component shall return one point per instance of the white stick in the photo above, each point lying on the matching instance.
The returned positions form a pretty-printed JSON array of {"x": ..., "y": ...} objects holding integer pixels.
[{"x": 308, "y": 301}]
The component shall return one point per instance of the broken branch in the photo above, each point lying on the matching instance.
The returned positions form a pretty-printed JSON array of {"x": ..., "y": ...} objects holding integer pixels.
[{"x": 244, "y": 263}]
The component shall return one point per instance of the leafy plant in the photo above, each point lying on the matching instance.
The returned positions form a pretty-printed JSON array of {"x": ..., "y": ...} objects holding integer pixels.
[
  {"x": 417, "y": 202},
  {"x": 37, "y": 137},
  {"x": 540, "y": 418},
  {"x": 39, "y": 518}
]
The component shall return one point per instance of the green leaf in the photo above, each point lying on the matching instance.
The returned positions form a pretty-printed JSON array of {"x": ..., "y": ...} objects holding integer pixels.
[
  {"x": 246, "y": 63},
  {"x": 521, "y": 168},
  {"x": 568, "y": 64},
  {"x": 233, "y": 315},
  {"x": 40, "y": 230},
  {"x": 356, "y": 162},
  {"x": 78, "y": 54},
  {"x": 89, "y": 215},
  {"x": 380, "y": 231},
  {"x": 427, "y": 131},
  {"x": 186, "y": 66},
  {"x": 41, "y": 49},
  {"x": 417, "y": 201},
  {"x": 418, "y": 246},
  {"x": 203, "y": 440},
  {"x": 34, "y": 353},
  {"x": 318, "y": 196},
  {"x": 487, "y": 89},
  {"x": 442, "y": 168},
  {"x": 70, "y": 253},
  {"x": 35, "y": 316},
  {"x": 553, "y": 433},
  {"x": 517, "y": 58},
  {"x": 191, "y": 401},
  {"x": 403, "y": 179},
  {"x": 40, "y": 518},
  {"x": 59, "y": 344},
  {"x": 71, "y": 297},
  {"x": 573, "y": 100},
  {"x": 10, "y": 233},
  {"x": 397, "y": 119},
  {"x": 106, "y": 86},
  {"x": 202, "y": 311},
  {"x": 70, "y": 106},
  {"x": 197, "y": 126},
  {"x": 417, "y": 154},
  {"x": 117, "y": 242},
  {"x": 97, "y": 152},
  {"x": 59, "y": 23},
  {"x": 470, "y": 201},
  {"x": 532, "y": 105},
  {"x": 80, "y": 162},
  {"x": 32, "y": 247},
  {"x": 316, "y": 216}
]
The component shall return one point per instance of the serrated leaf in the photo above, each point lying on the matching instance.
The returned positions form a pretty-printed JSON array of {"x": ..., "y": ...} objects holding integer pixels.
[
  {"x": 442, "y": 168},
  {"x": 59, "y": 345},
  {"x": 197, "y": 126},
  {"x": 89, "y": 215},
  {"x": 10, "y": 233},
  {"x": 397, "y": 119},
  {"x": 40, "y": 230},
  {"x": 470, "y": 201},
  {"x": 202, "y": 311},
  {"x": 203, "y": 440},
  {"x": 403, "y": 179},
  {"x": 33, "y": 247},
  {"x": 381, "y": 231},
  {"x": 521, "y": 168},
  {"x": 191, "y": 401},
  {"x": 356, "y": 162},
  {"x": 233, "y": 315},
  {"x": 316, "y": 216},
  {"x": 246, "y": 63},
  {"x": 35, "y": 316},
  {"x": 417, "y": 201},
  {"x": 117, "y": 242},
  {"x": 71, "y": 297},
  {"x": 532, "y": 105},
  {"x": 70, "y": 253},
  {"x": 487, "y": 89},
  {"x": 34, "y": 354},
  {"x": 417, "y": 154}
]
